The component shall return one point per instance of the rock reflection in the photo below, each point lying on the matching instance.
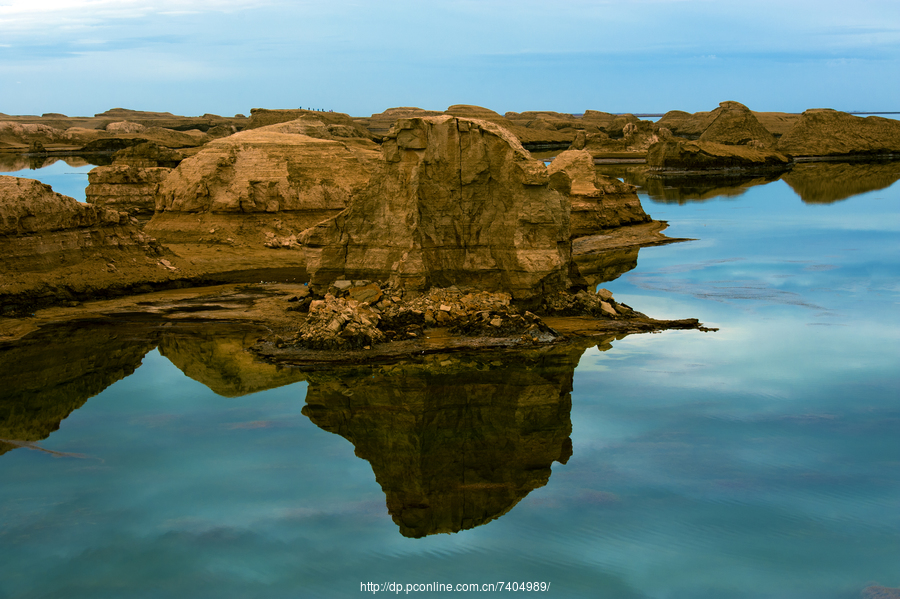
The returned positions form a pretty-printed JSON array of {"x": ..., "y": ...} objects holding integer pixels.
[
  {"x": 682, "y": 189},
  {"x": 48, "y": 375},
  {"x": 18, "y": 162},
  {"x": 454, "y": 440},
  {"x": 216, "y": 356},
  {"x": 827, "y": 182}
]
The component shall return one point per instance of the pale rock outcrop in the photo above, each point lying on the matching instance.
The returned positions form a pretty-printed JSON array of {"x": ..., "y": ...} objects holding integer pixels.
[
  {"x": 456, "y": 202},
  {"x": 297, "y": 173},
  {"x": 597, "y": 202},
  {"x": 826, "y": 132},
  {"x": 124, "y": 127}
]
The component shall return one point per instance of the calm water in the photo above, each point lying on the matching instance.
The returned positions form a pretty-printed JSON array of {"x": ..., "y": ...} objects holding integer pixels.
[{"x": 759, "y": 461}]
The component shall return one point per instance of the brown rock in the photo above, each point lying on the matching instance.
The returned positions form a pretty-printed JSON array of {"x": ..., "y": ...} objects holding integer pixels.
[
  {"x": 456, "y": 202},
  {"x": 733, "y": 124},
  {"x": 129, "y": 189},
  {"x": 287, "y": 177},
  {"x": 597, "y": 202},
  {"x": 701, "y": 155},
  {"x": 825, "y": 132},
  {"x": 56, "y": 249}
]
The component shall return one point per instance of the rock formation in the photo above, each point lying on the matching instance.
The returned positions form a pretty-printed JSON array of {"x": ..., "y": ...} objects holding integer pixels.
[
  {"x": 336, "y": 124},
  {"x": 456, "y": 202},
  {"x": 132, "y": 183},
  {"x": 680, "y": 156},
  {"x": 279, "y": 179},
  {"x": 825, "y": 132},
  {"x": 597, "y": 202},
  {"x": 733, "y": 124},
  {"x": 57, "y": 248},
  {"x": 455, "y": 441}
]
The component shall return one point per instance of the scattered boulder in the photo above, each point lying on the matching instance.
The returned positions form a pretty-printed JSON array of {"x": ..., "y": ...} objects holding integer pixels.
[{"x": 455, "y": 202}]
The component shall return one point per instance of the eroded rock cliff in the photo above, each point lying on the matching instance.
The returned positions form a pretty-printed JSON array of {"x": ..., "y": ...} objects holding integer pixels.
[
  {"x": 56, "y": 248},
  {"x": 826, "y": 132},
  {"x": 456, "y": 202}
]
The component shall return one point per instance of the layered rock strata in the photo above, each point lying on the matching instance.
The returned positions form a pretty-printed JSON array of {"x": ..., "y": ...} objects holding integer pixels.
[
  {"x": 686, "y": 156},
  {"x": 279, "y": 179},
  {"x": 456, "y": 202},
  {"x": 57, "y": 248}
]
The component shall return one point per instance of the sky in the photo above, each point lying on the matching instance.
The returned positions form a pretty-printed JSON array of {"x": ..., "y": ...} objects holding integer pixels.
[{"x": 191, "y": 57}]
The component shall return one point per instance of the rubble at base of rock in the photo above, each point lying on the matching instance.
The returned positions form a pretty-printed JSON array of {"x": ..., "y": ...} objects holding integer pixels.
[{"x": 355, "y": 315}]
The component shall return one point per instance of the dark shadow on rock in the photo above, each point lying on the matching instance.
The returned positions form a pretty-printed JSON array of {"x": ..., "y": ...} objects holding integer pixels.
[
  {"x": 454, "y": 440},
  {"x": 828, "y": 182}
]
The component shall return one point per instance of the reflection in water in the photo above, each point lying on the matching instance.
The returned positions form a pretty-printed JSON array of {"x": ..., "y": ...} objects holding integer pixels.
[
  {"x": 455, "y": 441},
  {"x": 606, "y": 266},
  {"x": 827, "y": 182},
  {"x": 17, "y": 162},
  {"x": 681, "y": 189},
  {"x": 53, "y": 372},
  {"x": 814, "y": 182},
  {"x": 217, "y": 357}
]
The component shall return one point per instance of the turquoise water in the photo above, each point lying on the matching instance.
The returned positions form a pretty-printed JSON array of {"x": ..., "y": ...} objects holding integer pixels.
[{"x": 762, "y": 460}]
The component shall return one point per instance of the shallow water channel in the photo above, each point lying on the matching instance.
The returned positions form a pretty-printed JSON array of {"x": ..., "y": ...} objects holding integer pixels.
[{"x": 762, "y": 460}]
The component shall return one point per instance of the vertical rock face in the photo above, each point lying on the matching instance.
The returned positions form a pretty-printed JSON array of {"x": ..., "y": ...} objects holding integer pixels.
[
  {"x": 456, "y": 202},
  {"x": 131, "y": 189},
  {"x": 598, "y": 202}
]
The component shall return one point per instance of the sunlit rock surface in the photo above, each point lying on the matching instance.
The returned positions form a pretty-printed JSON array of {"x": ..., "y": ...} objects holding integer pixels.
[
  {"x": 454, "y": 441},
  {"x": 456, "y": 202},
  {"x": 680, "y": 155}
]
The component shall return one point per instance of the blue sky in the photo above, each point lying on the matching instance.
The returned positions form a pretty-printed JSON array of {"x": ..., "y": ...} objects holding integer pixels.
[{"x": 191, "y": 57}]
